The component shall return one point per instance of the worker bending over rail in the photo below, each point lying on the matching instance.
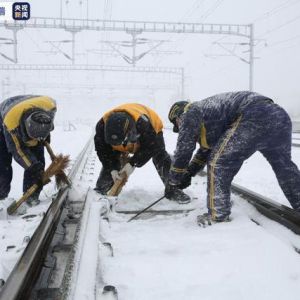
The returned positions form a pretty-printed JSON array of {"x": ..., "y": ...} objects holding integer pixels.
[
  {"x": 136, "y": 129},
  {"x": 230, "y": 127},
  {"x": 25, "y": 123}
]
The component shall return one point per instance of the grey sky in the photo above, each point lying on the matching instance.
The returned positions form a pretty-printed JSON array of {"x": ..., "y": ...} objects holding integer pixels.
[{"x": 208, "y": 71}]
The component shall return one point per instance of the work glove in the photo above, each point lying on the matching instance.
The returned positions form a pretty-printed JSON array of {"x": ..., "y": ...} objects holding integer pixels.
[
  {"x": 181, "y": 183},
  {"x": 128, "y": 169},
  {"x": 115, "y": 175}
]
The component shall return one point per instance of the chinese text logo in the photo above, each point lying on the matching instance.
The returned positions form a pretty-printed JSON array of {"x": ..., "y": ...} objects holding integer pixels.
[{"x": 21, "y": 11}]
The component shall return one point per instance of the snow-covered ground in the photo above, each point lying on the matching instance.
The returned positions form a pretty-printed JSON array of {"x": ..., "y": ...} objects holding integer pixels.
[
  {"x": 257, "y": 175},
  {"x": 170, "y": 257},
  {"x": 15, "y": 231}
]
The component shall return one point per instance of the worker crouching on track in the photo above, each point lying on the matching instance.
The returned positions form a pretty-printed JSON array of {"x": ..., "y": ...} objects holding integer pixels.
[
  {"x": 230, "y": 127},
  {"x": 136, "y": 129},
  {"x": 25, "y": 123}
]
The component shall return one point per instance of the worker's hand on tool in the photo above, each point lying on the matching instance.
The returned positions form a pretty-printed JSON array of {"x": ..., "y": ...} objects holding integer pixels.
[
  {"x": 128, "y": 169},
  {"x": 115, "y": 175}
]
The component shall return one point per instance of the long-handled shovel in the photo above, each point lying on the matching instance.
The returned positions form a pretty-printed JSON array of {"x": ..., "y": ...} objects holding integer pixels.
[
  {"x": 135, "y": 216},
  {"x": 56, "y": 167},
  {"x": 61, "y": 177}
]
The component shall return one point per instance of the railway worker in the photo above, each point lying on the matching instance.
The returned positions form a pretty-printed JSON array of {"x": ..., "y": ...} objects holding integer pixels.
[
  {"x": 137, "y": 129},
  {"x": 230, "y": 127},
  {"x": 25, "y": 122}
]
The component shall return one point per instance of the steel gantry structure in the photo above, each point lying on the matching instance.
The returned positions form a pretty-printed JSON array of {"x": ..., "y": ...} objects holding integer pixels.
[
  {"x": 135, "y": 27},
  {"x": 179, "y": 72}
]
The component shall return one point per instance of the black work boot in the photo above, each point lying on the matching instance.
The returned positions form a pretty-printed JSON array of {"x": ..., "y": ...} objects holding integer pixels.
[
  {"x": 177, "y": 195},
  {"x": 205, "y": 220}
]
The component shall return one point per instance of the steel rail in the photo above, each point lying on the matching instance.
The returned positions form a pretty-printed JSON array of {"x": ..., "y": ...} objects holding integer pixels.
[
  {"x": 26, "y": 271},
  {"x": 273, "y": 210}
]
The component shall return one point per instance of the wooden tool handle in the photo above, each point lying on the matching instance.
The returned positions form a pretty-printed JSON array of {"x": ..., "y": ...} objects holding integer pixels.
[
  {"x": 14, "y": 206},
  {"x": 118, "y": 185}
]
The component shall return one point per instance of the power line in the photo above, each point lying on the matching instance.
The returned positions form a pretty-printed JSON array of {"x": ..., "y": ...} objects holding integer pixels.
[
  {"x": 275, "y": 10},
  {"x": 279, "y": 27},
  {"x": 281, "y": 49},
  {"x": 284, "y": 41},
  {"x": 193, "y": 9},
  {"x": 210, "y": 11},
  {"x": 34, "y": 42},
  {"x": 195, "y": 6}
]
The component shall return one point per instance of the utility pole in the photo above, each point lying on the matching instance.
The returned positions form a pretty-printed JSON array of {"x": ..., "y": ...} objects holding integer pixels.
[
  {"x": 61, "y": 16},
  {"x": 73, "y": 31},
  {"x": 251, "y": 57},
  {"x": 14, "y": 29},
  {"x": 134, "y": 58},
  {"x": 73, "y": 46},
  {"x": 182, "y": 83},
  {"x": 3, "y": 91},
  {"x": 249, "y": 61},
  {"x": 15, "y": 45},
  {"x": 87, "y": 9},
  {"x": 5, "y": 83},
  {"x": 134, "y": 40},
  {"x": 133, "y": 34}
]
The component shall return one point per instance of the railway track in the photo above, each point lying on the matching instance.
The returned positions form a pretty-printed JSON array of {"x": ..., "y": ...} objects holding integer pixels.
[
  {"x": 32, "y": 267},
  {"x": 45, "y": 269},
  {"x": 271, "y": 209}
]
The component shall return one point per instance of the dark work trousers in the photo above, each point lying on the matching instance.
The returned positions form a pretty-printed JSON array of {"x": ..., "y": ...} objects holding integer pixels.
[
  {"x": 161, "y": 160},
  {"x": 264, "y": 127},
  {"x": 30, "y": 176},
  {"x": 6, "y": 168}
]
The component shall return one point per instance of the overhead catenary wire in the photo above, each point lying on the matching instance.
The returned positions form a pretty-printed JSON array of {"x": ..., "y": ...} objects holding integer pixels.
[
  {"x": 195, "y": 6},
  {"x": 277, "y": 9},
  {"x": 35, "y": 43},
  {"x": 211, "y": 10},
  {"x": 279, "y": 26},
  {"x": 284, "y": 41},
  {"x": 202, "y": 18},
  {"x": 279, "y": 51}
]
